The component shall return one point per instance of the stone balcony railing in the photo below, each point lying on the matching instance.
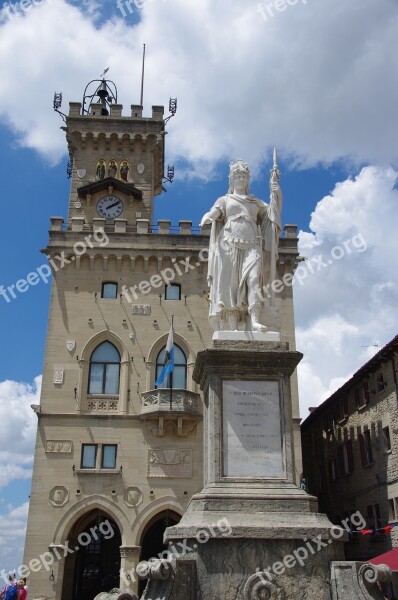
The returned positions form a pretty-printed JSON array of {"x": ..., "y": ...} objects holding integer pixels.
[
  {"x": 102, "y": 403},
  {"x": 184, "y": 403}
]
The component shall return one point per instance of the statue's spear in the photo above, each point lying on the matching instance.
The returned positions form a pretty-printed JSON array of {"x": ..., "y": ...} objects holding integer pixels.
[{"x": 274, "y": 210}]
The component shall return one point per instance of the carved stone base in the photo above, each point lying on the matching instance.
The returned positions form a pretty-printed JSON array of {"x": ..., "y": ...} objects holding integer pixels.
[
  {"x": 225, "y": 570},
  {"x": 357, "y": 580}
]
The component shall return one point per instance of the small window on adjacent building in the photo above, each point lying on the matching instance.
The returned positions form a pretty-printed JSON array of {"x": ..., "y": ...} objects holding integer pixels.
[
  {"x": 391, "y": 509},
  {"x": 370, "y": 518},
  {"x": 341, "y": 411},
  {"x": 346, "y": 459},
  {"x": 373, "y": 516},
  {"x": 109, "y": 290},
  {"x": 172, "y": 292},
  {"x": 320, "y": 478},
  {"x": 328, "y": 421},
  {"x": 395, "y": 501},
  {"x": 362, "y": 395},
  {"x": 332, "y": 470},
  {"x": 386, "y": 439},
  {"x": 108, "y": 460},
  {"x": 365, "y": 442},
  {"x": 89, "y": 456},
  {"x": 380, "y": 383},
  {"x": 377, "y": 516}
]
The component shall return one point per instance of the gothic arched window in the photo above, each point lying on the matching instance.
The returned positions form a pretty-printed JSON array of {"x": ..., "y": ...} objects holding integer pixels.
[
  {"x": 178, "y": 378},
  {"x": 104, "y": 370}
]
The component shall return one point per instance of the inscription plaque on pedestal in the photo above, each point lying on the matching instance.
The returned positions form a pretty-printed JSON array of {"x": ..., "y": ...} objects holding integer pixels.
[{"x": 252, "y": 433}]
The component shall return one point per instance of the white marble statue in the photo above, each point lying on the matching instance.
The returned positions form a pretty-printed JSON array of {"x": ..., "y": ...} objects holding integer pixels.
[{"x": 243, "y": 250}]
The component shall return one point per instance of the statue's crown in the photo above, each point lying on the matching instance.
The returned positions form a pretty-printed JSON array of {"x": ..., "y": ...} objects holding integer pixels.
[{"x": 239, "y": 165}]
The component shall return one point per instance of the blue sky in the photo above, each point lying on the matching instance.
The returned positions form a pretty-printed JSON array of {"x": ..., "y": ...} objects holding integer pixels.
[{"x": 318, "y": 80}]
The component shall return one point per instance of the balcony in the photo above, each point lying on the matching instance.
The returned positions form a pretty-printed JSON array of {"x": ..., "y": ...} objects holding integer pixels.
[{"x": 178, "y": 414}]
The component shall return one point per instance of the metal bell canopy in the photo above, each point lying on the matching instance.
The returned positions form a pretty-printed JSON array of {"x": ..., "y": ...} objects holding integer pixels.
[{"x": 105, "y": 90}]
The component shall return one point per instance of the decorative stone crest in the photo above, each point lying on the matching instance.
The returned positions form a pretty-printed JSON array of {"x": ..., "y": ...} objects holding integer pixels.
[
  {"x": 59, "y": 495},
  {"x": 141, "y": 309},
  {"x": 58, "y": 376},
  {"x": 132, "y": 496},
  {"x": 58, "y": 446},
  {"x": 140, "y": 168},
  {"x": 70, "y": 344},
  {"x": 170, "y": 462}
]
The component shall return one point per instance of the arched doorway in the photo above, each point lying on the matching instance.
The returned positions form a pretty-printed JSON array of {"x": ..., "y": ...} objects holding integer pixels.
[
  {"x": 152, "y": 538},
  {"x": 95, "y": 565}
]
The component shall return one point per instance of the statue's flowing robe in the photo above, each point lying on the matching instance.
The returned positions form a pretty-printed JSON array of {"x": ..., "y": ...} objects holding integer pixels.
[{"x": 242, "y": 240}]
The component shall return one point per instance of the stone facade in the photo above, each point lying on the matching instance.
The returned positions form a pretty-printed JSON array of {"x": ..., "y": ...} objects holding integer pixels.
[
  {"x": 350, "y": 453},
  {"x": 155, "y": 460}
]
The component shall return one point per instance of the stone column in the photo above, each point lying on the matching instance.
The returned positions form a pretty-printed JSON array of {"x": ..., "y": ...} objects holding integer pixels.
[{"x": 130, "y": 556}]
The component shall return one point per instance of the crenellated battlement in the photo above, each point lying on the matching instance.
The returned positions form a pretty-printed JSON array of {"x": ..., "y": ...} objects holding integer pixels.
[
  {"x": 116, "y": 111},
  {"x": 120, "y": 226},
  {"x": 143, "y": 226}
]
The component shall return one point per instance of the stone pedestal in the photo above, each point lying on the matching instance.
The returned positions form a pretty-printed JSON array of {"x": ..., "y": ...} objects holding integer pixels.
[
  {"x": 252, "y": 534},
  {"x": 251, "y": 531}
]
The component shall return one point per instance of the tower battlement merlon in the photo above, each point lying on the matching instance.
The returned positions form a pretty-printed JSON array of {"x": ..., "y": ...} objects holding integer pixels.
[{"x": 116, "y": 111}]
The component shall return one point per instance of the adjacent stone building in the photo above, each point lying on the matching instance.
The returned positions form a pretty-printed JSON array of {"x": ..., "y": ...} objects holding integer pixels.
[
  {"x": 350, "y": 453},
  {"x": 118, "y": 458}
]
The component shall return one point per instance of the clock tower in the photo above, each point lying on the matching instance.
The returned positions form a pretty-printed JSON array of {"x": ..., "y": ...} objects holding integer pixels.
[{"x": 117, "y": 456}]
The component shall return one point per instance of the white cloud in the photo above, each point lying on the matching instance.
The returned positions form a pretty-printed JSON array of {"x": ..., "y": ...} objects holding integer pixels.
[
  {"x": 344, "y": 308},
  {"x": 12, "y": 537},
  {"x": 18, "y": 429},
  {"x": 308, "y": 80},
  {"x": 17, "y": 440}
]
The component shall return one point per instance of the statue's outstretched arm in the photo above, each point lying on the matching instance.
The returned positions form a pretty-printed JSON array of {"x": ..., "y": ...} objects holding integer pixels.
[{"x": 210, "y": 216}]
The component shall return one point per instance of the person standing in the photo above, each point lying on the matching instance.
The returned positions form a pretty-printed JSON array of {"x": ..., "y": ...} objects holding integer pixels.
[{"x": 22, "y": 590}]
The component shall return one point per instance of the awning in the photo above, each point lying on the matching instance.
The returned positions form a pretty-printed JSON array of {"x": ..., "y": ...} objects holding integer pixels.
[{"x": 389, "y": 558}]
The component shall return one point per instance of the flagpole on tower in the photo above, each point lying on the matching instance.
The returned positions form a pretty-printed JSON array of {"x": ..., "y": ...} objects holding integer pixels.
[{"x": 142, "y": 76}]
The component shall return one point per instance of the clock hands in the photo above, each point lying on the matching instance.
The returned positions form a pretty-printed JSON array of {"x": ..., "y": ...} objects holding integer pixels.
[{"x": 112, "y": 205}]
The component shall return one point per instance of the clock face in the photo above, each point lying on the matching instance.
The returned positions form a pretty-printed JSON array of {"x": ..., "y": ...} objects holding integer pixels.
[{"x": 109, "y": 207}]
